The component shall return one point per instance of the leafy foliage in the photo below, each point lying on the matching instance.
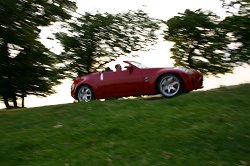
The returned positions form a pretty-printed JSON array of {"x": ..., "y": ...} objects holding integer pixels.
[
  {"x": 27, "y": 67},
  {"x": 200, "y": 42},
  {"x": 205, "y": 42},
  {"x": 97, "y": 39},
  {"x": 238, "y": 25}
]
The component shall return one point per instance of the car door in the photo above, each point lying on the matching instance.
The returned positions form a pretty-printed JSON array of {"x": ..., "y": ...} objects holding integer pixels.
[
  {"x": 130, "y": 82},
  {"x": 120, "y": 83}
]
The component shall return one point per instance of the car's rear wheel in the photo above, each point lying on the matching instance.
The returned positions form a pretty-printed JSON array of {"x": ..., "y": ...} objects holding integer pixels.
[
  {"x": 170, "y": 85},
  {"x": 85, "y": 93}
]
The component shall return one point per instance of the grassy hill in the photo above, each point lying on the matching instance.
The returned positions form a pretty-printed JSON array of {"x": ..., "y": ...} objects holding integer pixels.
[{"x": 198, "y": 128}]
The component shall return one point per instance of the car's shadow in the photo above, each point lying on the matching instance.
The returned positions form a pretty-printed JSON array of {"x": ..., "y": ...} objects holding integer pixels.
[
  {"x": 145, "y": 98},
  {"x": 153, "y": 97}
]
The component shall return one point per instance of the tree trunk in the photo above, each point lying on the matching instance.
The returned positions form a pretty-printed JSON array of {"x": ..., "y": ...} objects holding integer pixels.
[
  {"x": 190, "y": 60},
  {"x": 4, "y": 60},
  {"x": 6, "y": 102},
  {"x": 14, "y": 101},
  {"x": 23, "y": 100}
]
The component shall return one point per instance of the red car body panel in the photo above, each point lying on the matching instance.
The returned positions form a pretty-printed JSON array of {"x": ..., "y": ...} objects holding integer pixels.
[{"x": 134, "y": 81}]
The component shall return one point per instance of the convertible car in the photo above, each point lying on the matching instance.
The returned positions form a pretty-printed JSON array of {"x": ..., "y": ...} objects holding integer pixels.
[{"x": 136, "y": 80}]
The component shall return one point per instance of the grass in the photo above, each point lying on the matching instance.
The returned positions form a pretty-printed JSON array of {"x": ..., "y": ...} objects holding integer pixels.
[{"x": 199, "y": 128}]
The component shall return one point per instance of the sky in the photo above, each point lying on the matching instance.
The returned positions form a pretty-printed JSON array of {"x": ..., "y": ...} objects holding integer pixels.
[
  {"x": 159, "y": 56},
  {"x": 161, "y": 9}
]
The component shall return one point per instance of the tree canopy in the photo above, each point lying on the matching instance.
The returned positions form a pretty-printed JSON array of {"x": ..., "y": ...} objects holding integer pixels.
[
  {"x": 237, "y": 25},
  {"x": 206, "y": 42},
  {"x": 27, "y": 67},
  {"x": 97, "y": 39},
  {"x": 199, "y": 42}
]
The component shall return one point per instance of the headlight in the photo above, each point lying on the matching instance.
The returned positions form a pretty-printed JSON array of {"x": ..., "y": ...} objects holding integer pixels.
[{"x": 189, "y": 71}]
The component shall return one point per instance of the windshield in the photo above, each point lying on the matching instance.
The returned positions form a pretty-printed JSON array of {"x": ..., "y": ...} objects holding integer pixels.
[{"x": 137, "y": 64}]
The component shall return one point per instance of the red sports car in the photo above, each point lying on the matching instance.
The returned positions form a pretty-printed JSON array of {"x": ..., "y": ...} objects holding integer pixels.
[{"x": 136, "y": 80}]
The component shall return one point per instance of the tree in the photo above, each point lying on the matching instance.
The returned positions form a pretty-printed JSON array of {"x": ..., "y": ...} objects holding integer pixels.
[
  {"x": 237, "y": 24},
  {"x": 97, "y": 39},
  {"x": 27, "y": 67},
  {"x": 200, "y": 42}
]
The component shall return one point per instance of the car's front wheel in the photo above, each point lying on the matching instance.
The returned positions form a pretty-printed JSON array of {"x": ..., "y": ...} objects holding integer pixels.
[
  {"x": 85, "y": 93},
  {"x": 170, "y": 85}
]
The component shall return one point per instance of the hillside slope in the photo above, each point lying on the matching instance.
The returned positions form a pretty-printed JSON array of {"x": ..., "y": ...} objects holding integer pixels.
[{"x": 198, "y": 128}]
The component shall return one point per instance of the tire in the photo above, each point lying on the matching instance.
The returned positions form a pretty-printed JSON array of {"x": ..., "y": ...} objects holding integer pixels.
[
  {"x": 170, "y": 85},
  {"x": 84, "y": 93}
]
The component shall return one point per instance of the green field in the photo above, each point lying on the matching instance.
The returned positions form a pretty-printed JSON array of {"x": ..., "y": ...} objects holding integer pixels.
[{"x": 199, "y": 128}]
